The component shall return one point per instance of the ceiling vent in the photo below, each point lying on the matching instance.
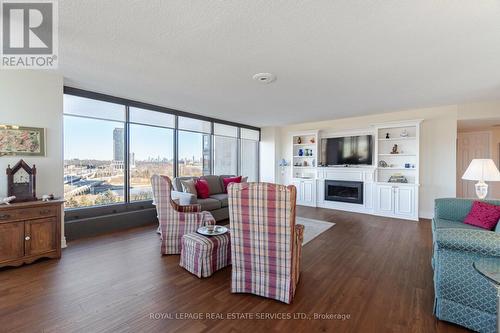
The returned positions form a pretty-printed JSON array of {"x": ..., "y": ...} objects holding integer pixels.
[{"x": 265, "y": 78}]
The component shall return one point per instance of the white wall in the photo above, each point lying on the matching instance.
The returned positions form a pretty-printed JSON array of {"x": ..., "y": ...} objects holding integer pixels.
[
  {"x": 269, "y": 154},
  {"x": 35, "y": 99}
]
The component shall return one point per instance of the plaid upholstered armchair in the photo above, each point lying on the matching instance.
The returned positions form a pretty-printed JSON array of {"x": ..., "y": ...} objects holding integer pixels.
[
  {"x": 266, "y": 244},
  {"x": 175, "y": 220}
]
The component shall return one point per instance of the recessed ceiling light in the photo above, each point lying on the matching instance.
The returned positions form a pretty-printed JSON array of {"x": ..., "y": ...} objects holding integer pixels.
[{"x": 264, "y": 77}]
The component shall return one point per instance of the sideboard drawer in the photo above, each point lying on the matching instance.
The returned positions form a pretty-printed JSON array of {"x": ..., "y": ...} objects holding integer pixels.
[
  {"x": 30, "y": 213},
  {"x": 8, "y": 215}
]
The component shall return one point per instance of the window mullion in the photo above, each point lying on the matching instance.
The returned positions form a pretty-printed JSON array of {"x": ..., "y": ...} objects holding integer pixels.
[
  {"x": 126, "y": 158},
  {"x": 176, "y": 148}
]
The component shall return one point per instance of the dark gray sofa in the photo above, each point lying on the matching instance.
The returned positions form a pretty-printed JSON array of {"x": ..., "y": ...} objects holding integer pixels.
[{"x": 217, "y": 203}]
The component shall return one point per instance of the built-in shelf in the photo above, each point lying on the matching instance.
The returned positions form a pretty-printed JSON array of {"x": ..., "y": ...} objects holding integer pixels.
[
  {"x": 399, "y": 139},
  {"x": 396, "y": 199},
  {"x": 396, "y": 155},
  {"x": 390, "y": 168},
  {"x": 396, "y": 184},
  {"x": 304, "y": 152}
]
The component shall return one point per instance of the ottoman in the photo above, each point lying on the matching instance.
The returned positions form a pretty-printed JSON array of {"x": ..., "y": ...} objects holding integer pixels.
[{"x": 204, "y": 255}]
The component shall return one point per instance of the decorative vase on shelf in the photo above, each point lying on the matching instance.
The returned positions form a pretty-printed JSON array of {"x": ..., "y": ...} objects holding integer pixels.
[
  {"x": 299, "y": 140},
  {"x": 387, "y": 136},
  {"x": 301, "y": 152},
  {"x": 312, "y": 140},
  {"x": 404, "y": 133}
]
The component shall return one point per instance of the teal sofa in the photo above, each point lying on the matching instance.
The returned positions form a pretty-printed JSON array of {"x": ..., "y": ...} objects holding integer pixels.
[{"x": 462, "y": 295}]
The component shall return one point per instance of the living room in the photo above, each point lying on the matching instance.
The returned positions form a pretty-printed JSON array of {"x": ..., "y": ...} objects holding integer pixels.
[{"x": 218, "y": 166}]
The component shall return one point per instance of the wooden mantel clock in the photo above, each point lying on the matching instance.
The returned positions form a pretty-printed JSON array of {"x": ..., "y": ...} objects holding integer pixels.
[{"x": 21, "y": 182}]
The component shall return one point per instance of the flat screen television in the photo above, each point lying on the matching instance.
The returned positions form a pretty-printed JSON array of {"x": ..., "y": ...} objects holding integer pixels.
[{"x": 350, "y": 150}]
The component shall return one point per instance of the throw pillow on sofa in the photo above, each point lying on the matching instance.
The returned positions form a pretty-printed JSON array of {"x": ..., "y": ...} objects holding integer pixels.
[
  {"x": 483, "y": 215},
  {"x": 230, "y": 180},
  {"x": 202, "y": 189},
  {"x": 189, "y": 186}
]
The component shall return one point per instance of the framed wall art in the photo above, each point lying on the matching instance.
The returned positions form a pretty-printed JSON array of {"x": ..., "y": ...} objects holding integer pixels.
[{"x": 22, "y": 141}]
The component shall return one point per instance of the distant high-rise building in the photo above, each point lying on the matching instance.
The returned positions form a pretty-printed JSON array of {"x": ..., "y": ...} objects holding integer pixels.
[
  {"x": 132, "y": 160},
  {"x": 118, "y": 144}
]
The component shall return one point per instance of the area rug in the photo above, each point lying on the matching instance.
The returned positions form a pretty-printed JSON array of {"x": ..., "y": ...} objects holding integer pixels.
[{"x": 313, "y": 228}]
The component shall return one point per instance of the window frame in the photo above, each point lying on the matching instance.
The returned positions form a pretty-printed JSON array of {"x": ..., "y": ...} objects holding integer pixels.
[
  {"x": 240, "y": 144},
  {"x": 130, "y": 206},
  {"x": 176, "y": 149},
  {"x": 128, "y": 169}
]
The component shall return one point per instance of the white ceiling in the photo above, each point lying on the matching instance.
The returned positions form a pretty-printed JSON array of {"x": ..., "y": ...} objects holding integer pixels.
[
  {"x": 332, "y": 58},
  {"x": 478, "y": 123}
]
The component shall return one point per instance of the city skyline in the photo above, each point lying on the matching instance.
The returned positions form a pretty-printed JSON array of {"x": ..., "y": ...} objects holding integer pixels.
[{"x": 83, "y": 135}]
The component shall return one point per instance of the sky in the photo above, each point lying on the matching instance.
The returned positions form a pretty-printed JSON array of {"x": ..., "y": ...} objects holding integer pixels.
[{"x": 86, "y": 138}]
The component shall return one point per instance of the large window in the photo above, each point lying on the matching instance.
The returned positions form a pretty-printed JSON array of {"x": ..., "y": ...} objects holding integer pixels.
[
  {"x": 112, "y": 148},
  {"x": 151, "y": 150},
  {"x": 225, "y": 150},
  {"x": 94, "y": 152},
  {"x": 249, "y": 154},
  {"x": 194, "y": 154},
  {"x": 194, "y": 147}
]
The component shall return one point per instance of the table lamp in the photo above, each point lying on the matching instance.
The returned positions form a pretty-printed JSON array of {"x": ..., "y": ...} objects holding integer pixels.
[{"x": 482, "y": 170}]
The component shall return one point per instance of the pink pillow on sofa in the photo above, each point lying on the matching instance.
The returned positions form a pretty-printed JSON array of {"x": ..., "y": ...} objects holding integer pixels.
[
  {"x": 202, "y": 189},
  {"x": 483, "y": 215},
  {"x": 230, "y": 180}
]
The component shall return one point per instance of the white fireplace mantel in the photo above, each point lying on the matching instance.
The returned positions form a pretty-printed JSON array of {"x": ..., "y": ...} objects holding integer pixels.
[{"x": 365, "y": 174}]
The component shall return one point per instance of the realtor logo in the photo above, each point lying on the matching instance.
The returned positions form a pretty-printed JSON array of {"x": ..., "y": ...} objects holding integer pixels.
[{"x": 29, "y": 34}]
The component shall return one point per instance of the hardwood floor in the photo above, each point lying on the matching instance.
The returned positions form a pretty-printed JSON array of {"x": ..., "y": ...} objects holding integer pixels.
[{"x": 373, "y": 271}]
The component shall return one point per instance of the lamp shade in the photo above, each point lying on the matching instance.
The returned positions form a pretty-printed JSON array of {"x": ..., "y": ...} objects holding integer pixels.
[{"x": 482, "y": 170}]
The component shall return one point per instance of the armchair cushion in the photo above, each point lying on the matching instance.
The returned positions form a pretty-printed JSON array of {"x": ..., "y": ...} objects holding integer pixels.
[{"x": 189, "y": 208}]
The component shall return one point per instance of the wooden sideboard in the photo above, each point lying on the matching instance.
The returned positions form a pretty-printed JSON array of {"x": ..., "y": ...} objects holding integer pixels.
[{"x": 30, "y": 231}]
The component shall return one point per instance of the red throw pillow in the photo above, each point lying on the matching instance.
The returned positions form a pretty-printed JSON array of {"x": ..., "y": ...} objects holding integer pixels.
[
  {"x": 230, "y": 180},
  {"x": 202, "y": 188},
  {"x": 483, "y": 215}
]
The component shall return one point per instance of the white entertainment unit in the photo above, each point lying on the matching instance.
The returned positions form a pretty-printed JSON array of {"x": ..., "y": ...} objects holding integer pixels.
[{"x": 375, "y": 193}]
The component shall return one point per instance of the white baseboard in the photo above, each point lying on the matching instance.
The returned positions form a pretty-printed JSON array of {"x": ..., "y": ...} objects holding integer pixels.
[{"x": 426, "y": 215}]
